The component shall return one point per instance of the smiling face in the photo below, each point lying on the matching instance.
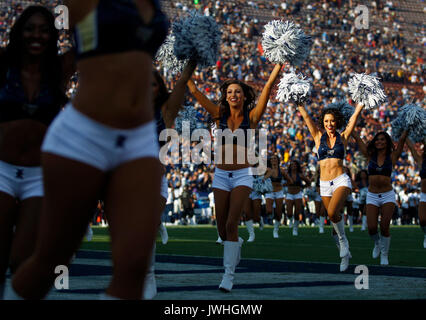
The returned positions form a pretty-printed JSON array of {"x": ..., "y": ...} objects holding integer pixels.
[
  {"x": 330, "y": 123},
  {"x": 235, "y": 96},
  {"x": 380, "y": 142},
  {"x": 36, "y": 35}
]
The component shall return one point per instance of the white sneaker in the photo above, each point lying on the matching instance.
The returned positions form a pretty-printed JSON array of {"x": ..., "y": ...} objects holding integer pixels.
[
  {"x": 344, "y": 264},
  {"x": 295, "y": 233}
]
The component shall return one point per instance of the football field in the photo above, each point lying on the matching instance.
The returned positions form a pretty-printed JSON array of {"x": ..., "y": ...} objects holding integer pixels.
[{"x": 303, "y": 267}]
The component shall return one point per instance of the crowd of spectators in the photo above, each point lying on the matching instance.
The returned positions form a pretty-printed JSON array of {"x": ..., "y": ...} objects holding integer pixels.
[{"x": 339, "y": 50}]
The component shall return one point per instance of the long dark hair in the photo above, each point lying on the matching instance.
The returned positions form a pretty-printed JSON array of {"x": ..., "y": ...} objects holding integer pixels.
[
  {"x": 249, "y": 94},
  {"x": 298, "y": 167},
  {"x": 269, "y": 160},
  {"x": 371, "y": 147},
  {"x": 163, "y": 93},
  {"x": 338, "y": 117},
  {"x": 51, "y": 65}
]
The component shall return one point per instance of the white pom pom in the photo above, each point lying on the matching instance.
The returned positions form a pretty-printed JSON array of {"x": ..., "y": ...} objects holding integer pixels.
[
  {"x": 166, "y": 56},
  {"x": 187, "y": 114},
  {"x": 367, "y": 90},
  {"x": 345, "y": 109},
  {"x": 197, "y": 37},
  {"x": 262, "y": 186},
  {"x": 410, "y": 117},
  {"x": 293, "y": 87},
  {"x": 282, "y": 41}
]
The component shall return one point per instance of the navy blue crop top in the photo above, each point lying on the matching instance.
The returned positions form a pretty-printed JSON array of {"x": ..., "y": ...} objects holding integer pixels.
[
  {"x": 297, "y": 183},
  {"x": 423, "y": 170},
  {"x": 278, "y": 178},
  {"x": 116, "y": 26},
  {"x": 384, "y": 170},
  {"x": 245, "y": 125},
  {"x": 338, "y": 150},
  {"x": 14, "y": 105}
]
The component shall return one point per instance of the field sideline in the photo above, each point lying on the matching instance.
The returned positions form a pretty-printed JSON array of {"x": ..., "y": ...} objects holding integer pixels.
[{"x": 309, "y": 246}]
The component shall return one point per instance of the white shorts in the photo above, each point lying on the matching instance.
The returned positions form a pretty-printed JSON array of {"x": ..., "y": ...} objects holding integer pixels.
[
  {"x": 294, "y": 196},
  {"x": 230, "y": 179},
  {"x": 21, "y": 182},
  {"x": 422, "y": 197},
  {"x": 327, "y": 188},
  {"x": 275, "y": 195},
  {"x": 255, "y": 196},
  {"x": 75, "y": 136},
  {"x": 164, "y": 188},
  {"x": 379, "y": 199}
]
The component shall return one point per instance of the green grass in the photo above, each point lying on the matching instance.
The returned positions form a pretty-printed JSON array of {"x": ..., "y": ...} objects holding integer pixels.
[{"x": 406, "y": 244}]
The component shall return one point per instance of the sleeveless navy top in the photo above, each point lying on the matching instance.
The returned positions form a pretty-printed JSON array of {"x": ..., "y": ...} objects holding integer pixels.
[
  {"x": 14, "y": 105},
  {"x": 338, "y": 150},
  {"x": 297, "y": 183},
  {"x": 278, "y": 178},
  {"x": 245, "y": 125},
  {"x": 116, "y": 26},
  {"x": 384, "y": 170},
  {"x": 423, "y": 170}
]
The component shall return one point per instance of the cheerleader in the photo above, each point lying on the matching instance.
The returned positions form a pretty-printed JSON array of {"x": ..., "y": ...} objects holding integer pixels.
[
  {"x": 166, "y": 108},
  {"x": 294, "y": 197},
  {"x": 361, "y": 183},
  {"x": 233, "y": 182},
  {"x": 421, "y": 162},
  {"x": 382, "y": 158},
  {"x": 33, "y": 80},
  {"x": 276, "y": 174},
  {"x": 103, "y": 145},
  {"x": 335, "y": 185}
]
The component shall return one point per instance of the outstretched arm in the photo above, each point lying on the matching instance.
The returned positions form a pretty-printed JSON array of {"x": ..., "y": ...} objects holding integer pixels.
[
  {"x": 352, "y": 122},
  {"x": 361, "y": 145},
  {"x": 176, "y": 98},
  {"x": 257, "y": 113},
  {"x": 203, "y": 100},
  {"x": 313, "y": 129},
  {"x": 415, "y": 154},
  {"x": 397, "y": 153}
]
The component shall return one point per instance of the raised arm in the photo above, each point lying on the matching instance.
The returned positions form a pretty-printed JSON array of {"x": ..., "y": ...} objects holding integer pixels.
[
  {"x": 257, "y": 113},
  {"x": 397, "y": 153},
  {"x": 211, "y": 108},
  {"x": 361, "y": 145},
  {"x": 312, "y": 127},
  {"x": 176, "y": 98},
  {"x": 417, "y": 157},
  {"x": 352, "y": 122}
]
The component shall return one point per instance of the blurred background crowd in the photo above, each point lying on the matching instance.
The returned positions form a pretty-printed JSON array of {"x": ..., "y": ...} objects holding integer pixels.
[{"x": 392, "y": 46}]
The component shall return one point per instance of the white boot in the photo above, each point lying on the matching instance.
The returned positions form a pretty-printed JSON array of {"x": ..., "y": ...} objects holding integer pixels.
[
  {"x": 250, "y": 229},
  {"x": 384, "y": 250},
  {"x": 344, "y": 262},
  {"x": 276, "y": 227},
  {"x": 351, "y": 223},
  {"x": 290, "y": 222},
  {"x": 296, "y": 228},
  {"x": 321, "y": 225},
  {"x": 364, "y": 223},
  {"x": 150, "y": 286},
  {"x": 89, "y": 233},
  {"x": 261, "y": 223},
  {"x": 343, "y": 241},
  {"x": 230, "y": 260},
  {"x": 163, "y": 233},
  {"x": 377, "y": 245}
]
